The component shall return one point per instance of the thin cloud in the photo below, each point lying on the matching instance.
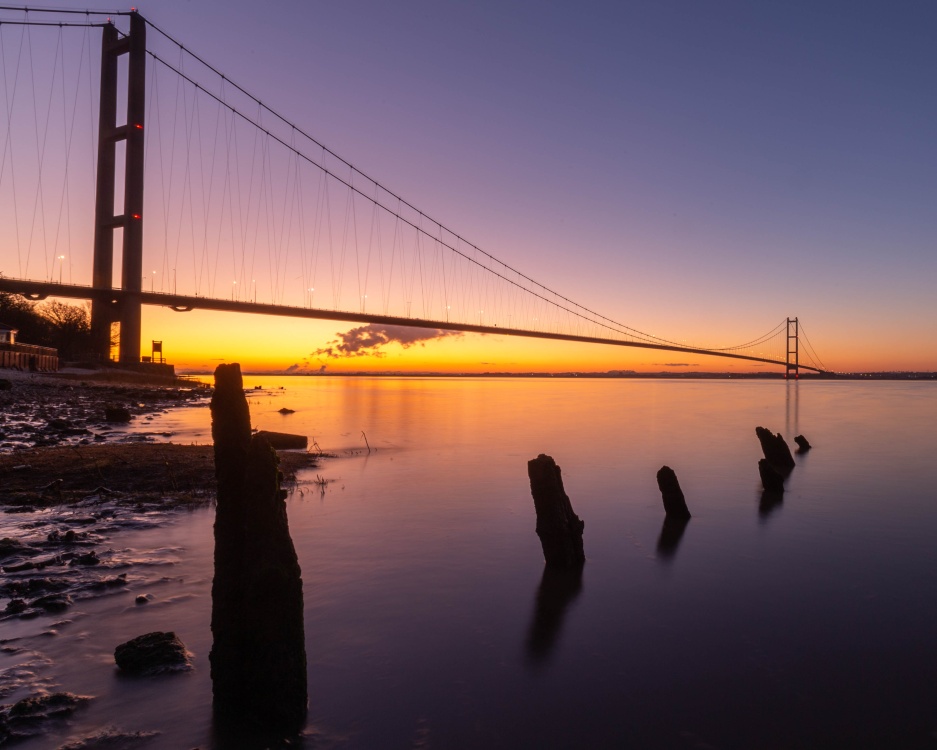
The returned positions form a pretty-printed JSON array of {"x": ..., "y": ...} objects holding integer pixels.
[
  {"x": 302, "y": 368},
  {"x": 369, "y": 340}
]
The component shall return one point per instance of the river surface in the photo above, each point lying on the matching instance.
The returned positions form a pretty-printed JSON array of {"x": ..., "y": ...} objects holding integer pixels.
[{"x": 429, "y": 623}]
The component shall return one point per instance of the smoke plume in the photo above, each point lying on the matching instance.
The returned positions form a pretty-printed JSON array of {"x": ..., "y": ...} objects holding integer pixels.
[{"x": 368, "y": 340}]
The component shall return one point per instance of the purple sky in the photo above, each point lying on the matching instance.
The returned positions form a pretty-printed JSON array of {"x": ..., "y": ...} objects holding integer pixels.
[{"x": 694, "y": 170}]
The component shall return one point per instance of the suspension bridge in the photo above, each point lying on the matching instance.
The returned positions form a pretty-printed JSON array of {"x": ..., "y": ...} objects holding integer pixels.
[{"x": 116, "y": 136}]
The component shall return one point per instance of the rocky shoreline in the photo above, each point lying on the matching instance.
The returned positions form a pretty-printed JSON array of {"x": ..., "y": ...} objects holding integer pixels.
[
  {"x": 50, "y": 410},
  {"x": 71, "y": 477}
]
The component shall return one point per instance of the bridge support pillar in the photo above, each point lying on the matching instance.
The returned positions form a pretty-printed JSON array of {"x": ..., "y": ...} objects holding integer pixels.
[
  {"x": 128, "y": 309},
  {"x": 793, "y": 349}
]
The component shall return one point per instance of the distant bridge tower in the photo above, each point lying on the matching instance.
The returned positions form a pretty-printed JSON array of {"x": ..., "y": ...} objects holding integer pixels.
[
  {"x": 793, "y": 349},
  {"x": 106, "y": 306}
]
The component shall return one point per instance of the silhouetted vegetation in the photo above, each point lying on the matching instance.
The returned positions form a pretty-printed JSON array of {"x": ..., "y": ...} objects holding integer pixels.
[{"x": 49, "y": 323}]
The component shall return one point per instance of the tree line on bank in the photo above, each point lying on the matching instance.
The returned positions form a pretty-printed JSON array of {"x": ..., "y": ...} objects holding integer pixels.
[{"x": 49, "y": 323}]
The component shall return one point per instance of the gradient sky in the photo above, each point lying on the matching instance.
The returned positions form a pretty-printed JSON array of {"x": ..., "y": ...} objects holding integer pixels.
[{"x": 698, "y": 171}]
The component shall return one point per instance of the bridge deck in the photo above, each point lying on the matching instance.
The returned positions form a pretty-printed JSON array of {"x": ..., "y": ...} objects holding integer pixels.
[{"x": 182, "y": 303}]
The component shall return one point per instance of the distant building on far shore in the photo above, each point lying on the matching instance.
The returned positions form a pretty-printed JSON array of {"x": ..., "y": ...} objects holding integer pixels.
[
  {"x": 25, "y": 356},
  {"x": 8, "y": 334}
]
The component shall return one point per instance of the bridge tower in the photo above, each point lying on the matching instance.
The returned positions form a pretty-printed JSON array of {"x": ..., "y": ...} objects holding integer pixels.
[
  {"x": 106, "y": 305},
  {"x": 793, "y": 349}
]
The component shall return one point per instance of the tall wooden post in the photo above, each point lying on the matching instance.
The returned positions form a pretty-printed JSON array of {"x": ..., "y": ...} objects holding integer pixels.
[
  {"x": 131, "y": 220},
  {"x": 258, "y": 653}
]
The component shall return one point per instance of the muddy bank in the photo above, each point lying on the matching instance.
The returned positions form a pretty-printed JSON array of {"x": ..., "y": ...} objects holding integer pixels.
[
  {"x": 63, "y": 504},
  {"x": 61, "y": 511},
  {"x": 70, "y": 482},
  {"x": 123, "y": 473},
  {"x": 39, "y": 411}
]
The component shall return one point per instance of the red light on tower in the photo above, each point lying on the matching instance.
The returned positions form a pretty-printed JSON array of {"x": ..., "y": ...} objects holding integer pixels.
[
  {"x": 136, "y": 216},
  {"x": 138, "y": 126}
]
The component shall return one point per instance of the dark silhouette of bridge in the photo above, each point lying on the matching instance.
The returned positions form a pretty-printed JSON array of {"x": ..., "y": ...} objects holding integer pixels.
[{"x": 425, "y": 275}]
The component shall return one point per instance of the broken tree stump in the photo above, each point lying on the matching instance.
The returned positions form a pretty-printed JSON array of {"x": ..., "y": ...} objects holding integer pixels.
[
  {"x": 771, "y": 479},
  {"x": 258, "y": 655},
  {"x": 802, "y": 445},
  {"x": 674, "y": 502},
  {"x": 559, "y": 528},
  {"x": 775, "y": 449}
]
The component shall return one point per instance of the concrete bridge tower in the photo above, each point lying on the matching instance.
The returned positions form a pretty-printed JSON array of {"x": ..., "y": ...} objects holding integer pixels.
[
  {"x": 793, "y": 349},
  {"x": 109, "y": 305}
]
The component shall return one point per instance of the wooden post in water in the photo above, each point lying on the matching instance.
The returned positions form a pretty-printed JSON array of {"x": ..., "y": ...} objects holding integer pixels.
[
  {"x": 776, "y": 450},
  {"x": 258, "y": 655},
  {"x": 672, "y": 495},
  {"x": 559, "y": 528}
]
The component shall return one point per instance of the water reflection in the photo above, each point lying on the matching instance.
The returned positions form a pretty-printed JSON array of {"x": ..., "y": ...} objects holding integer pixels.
[
  {"x": 234, "y": 735},
  {"x": 558, "y": 589},
  {"x": 792, "y": 407},
  {"x": 382, "y": 635},
  {"x": 671, "y": 532},
  {"x": 770, "y": 502}
]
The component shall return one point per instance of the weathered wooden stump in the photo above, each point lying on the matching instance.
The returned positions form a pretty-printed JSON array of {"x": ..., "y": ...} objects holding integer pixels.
[
  {"x": 258, "y": 655},
  {"x": 775, "y": 449},
  {"x": 559, "y": 528},
  {"x": 771, "y": 479},
  {"x": 674, "y": 502},
  {"x": 802, "y": 444}
]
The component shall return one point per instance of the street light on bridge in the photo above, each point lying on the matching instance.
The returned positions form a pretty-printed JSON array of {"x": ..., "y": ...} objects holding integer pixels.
[{"x": 61, "y": 263}]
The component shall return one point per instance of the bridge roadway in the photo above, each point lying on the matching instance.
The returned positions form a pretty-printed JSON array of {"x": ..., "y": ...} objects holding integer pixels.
[{"x": 37, "y": 290}]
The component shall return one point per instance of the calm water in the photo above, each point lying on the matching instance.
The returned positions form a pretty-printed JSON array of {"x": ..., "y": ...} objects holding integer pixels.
[{"x": 428, "y": 624}]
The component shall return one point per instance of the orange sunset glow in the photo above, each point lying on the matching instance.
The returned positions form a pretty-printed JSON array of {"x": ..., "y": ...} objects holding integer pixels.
[
  {"x": 708, "y": 240},
  {"x": 199, "y": 340},
  {"x": 491, "y": 374}
]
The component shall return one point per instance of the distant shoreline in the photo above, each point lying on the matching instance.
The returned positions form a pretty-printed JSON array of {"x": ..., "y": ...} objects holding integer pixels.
[{"x": 614, "y": 374}]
